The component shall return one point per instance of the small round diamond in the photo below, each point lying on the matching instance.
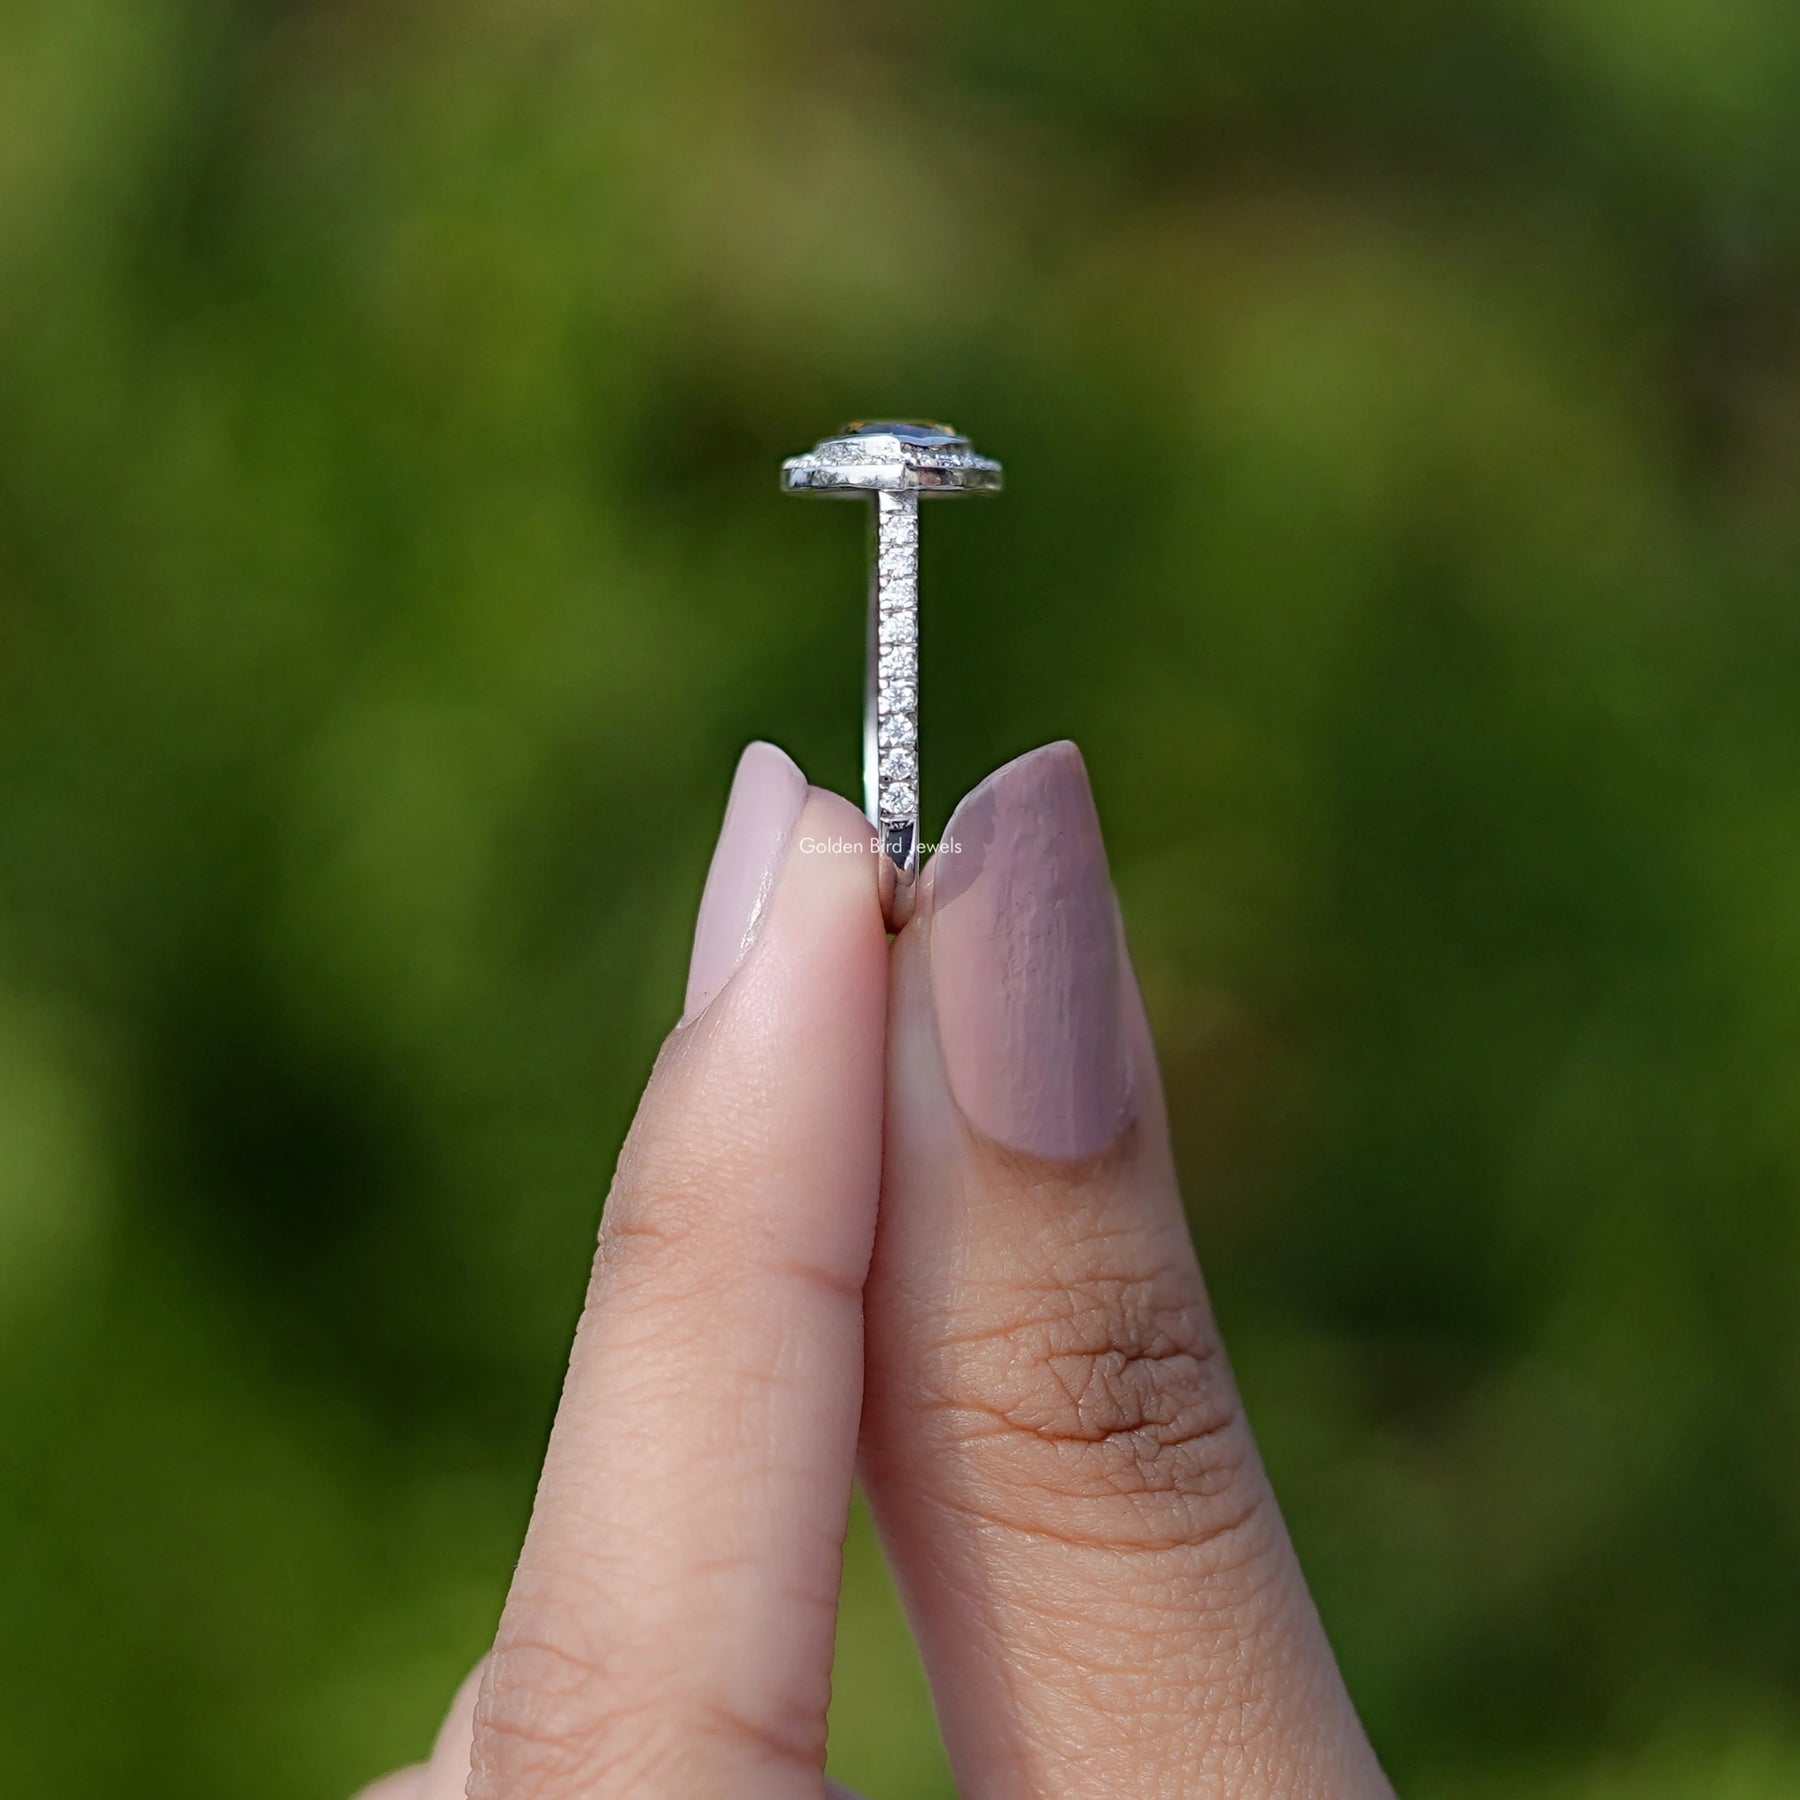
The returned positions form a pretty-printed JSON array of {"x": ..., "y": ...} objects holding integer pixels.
[
  {"x": 898, "y": 628},
  {"x": 899, "y": 798},
  {"x": 899, "y": 765},
  {"x": 897, "y": 724}
]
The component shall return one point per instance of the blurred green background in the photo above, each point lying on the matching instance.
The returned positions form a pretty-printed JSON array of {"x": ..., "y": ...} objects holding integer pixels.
[{"x": 1401, "y": 405}]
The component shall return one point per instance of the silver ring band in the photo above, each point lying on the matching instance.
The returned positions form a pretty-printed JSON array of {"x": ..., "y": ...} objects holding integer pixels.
[
  {"x": 891, "y": 711},
  {"x": 895, "y": 464}
]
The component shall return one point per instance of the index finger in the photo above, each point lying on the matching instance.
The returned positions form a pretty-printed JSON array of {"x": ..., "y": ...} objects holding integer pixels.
[{"x": 670, "y": 1626}]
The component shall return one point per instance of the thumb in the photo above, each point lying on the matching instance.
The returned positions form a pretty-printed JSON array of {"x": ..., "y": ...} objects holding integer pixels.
[{"x": 1098, "y": 1573}]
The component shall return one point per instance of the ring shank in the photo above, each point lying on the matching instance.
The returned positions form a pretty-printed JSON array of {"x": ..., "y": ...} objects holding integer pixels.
[{"x": 891, "y": 713}]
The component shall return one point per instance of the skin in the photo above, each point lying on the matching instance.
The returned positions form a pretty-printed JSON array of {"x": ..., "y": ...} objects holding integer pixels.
[{"x": 908, "y": 1209}]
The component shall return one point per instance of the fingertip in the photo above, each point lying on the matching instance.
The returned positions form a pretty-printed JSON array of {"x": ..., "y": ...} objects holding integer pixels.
[
  {"x": 825, "y": 938},
  {"x": 403, "y": 1784},
  {"x": 840, "y": 832},
  {"x": 450, "y": 1753},
  {"x": 768, "y": 792},
  {"x": 1026, "y": 961}
]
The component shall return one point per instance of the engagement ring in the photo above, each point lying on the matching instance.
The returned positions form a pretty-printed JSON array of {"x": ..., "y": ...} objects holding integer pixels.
[{"x": 896, "y": 463}]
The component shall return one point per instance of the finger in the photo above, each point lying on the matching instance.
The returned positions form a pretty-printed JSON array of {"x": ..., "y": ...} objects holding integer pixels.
[
  {"x": 403, "y": 1784},
  {"x": 670, "y": 1625},
  {"x": 442, "y": 1777},
  {"x": 446, "y": 1774},
  {"x": 1098, "y": 1574}
]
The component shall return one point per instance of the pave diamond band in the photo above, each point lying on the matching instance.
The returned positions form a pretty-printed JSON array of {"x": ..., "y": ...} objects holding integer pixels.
[
  {"x": 895, "y": 465},
  {"x": 891, "y": 764}
]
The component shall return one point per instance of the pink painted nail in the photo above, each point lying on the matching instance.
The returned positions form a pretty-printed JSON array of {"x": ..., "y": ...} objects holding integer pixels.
[
  {"x": 1025, "y": 961},
  {"x": 767, "y": 794}
]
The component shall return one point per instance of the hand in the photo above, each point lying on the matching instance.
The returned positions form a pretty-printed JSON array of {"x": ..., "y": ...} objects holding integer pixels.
[{"x": 1100, "y": 1581}]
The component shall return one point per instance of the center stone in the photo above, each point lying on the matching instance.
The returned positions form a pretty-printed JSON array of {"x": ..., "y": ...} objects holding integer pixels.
[{"x": 913, "y": 432}]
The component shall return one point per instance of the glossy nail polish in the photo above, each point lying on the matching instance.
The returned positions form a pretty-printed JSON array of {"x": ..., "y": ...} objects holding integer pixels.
[{"x": 767, "y": 794}]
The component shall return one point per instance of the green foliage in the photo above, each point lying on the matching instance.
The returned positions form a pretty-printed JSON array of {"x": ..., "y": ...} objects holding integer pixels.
[{"x": 1402, "y": 412}]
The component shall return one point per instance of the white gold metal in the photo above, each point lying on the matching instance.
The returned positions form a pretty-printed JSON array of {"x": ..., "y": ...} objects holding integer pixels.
[{"x": 895, "y": 464}]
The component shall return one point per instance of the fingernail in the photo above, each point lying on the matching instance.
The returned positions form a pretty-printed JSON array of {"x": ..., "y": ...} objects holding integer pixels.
[
  {"x": 767, "y": 794},
  {"x": 1025, "y": 961}
]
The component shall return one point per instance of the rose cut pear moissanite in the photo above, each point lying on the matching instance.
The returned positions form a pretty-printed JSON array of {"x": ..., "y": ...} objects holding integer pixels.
[{"x": 895, "y": 463}]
